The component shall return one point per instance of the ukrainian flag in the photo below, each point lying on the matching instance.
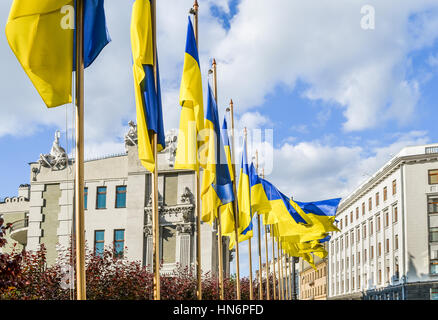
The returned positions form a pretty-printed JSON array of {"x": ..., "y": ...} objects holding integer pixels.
[
  {"x": 147, "y": 95},
  {"x": 244, "y": 201},
  {"x": 227, "y": 211},
  {"x": 192, "y": 112},
  {"x": 217, "y": 188},
  {"x": 45, "y": 47}
]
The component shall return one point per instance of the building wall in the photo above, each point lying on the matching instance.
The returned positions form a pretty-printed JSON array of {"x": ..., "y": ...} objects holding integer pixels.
[
  {"x": 12, "y": 210},
  {"x": 50, "y": 223},
  {"x": 313, "y": 283}
]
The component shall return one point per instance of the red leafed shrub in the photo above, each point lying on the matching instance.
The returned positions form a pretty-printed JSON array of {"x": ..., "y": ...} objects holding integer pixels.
[{"x": 26, "y": 276}]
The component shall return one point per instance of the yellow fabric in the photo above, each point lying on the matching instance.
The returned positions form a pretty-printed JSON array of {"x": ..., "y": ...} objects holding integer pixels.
[
  {"x": 227, "y": 218},
  {"x": 192, "y": 116},
  {"x": 43, "y": 48},
  {"x": 142, "y": 54},
  {"x": 228, "y": 155}
]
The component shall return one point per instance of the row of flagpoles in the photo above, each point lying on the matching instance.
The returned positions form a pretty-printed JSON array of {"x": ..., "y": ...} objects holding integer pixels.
[{"x": 53, "y": 51}]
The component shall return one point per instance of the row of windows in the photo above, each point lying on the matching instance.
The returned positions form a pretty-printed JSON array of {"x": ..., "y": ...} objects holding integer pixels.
[
  {"x": 370, "y": 204},
  {"x": 315, "y": 292},
  {"x": 119, "y": 242},
  {"x": 317, "y": 274},
  {"x": 101, "y": 197}
]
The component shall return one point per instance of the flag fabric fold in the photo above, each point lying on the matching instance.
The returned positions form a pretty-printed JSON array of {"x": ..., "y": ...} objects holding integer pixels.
[
  {"x": 217, "y": 188},
  {"x": 44, "y": 44},
  {"x": 147, "y": 93},
  {"x": 192, "y": 112}
]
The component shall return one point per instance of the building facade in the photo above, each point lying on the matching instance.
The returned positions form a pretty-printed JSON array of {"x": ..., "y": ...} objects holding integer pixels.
[
  {"x": 388, "y": 244},
  {"x": 118, "y": 211},
  {"x": 314, "y": 282}
]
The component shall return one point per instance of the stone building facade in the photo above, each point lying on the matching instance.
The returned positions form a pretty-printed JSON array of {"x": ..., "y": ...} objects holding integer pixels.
[
  {"x": 117, "y": 208},
  {"x": 314, "y": 283},
  {"x": 388, "y": 247}
]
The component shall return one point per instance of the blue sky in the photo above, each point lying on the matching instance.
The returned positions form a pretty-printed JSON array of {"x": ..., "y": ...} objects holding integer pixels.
[{"x": 340, "y": 100}]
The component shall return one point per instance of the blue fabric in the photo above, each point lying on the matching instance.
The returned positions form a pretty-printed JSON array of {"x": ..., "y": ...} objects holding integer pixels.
[
  {"x": 321, "y": 208},
  {"x": 223, "y": 185},
  {"x": 152, "y": 103},
  {"x": 326, "y": 239},
  {"x": 191, "y": 47},
  {"x": 244, "y": 165},
  {"x": 96, "y": 35},
  {"x": 224, "y": 131}
]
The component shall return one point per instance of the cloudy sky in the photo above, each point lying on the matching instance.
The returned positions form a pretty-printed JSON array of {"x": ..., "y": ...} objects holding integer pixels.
[{"x": 338, "y": 100}]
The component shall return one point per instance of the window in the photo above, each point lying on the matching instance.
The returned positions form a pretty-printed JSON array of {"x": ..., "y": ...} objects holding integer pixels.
[
  {"x": 364, "y": 232},
  {"x": 433, "y": 176},
  {"x": 119, "y": 243},
  {"x": 365, "y": 256},
  {"x": 396, "y": 242},
  {"x": 121, "y": 197},
  {"x": 394, "y": 187},
  {"x": 363, "y": 208},
  {"x": 85, "y": 198},
  {"x": 351, "y": 217},
  {"x": 372, "y": 252},
  {"x": 387, "y": 245},
  {"x": 358, "y": 258},
  {"x": 358, "y": 234},
  {"x": 434, "y": 266},
  {"x": 378, "y": 223},
  {"x": 433, "y": 234},
  {"x": 341, "y": 225},
  {"x": 371, "y": 227},
  {"x": 99, "y": 242},
  {"x": 357, "y": 213},
  {"x": 346, "y": 221},
  {"x": 352, "y": 237},
  {"x": 346, "y": 241},
  {"x": 386, "y": 218},
  {"x": 380, "y": 276},
  {"x": 352, "y": 260},
  {"x": 379, "y": 249},
  {"x": 358, "y": 282},
  {"x": 433, "y": 204},
  {"x": 101, "y": 198},
  {"x": 370, "y": 204},
  {"x": 385, "y": 193},
  {"x": 377, "y": 199},
  {"x": 394, "y": 214}
]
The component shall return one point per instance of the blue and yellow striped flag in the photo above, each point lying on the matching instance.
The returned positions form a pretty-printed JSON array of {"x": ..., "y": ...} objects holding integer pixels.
[
  {"x": 147, "y": 95},
  {"x": 44, "y": 43},
  {"x": 192, "y": 112},
  {"x": 217, "y": 188}
]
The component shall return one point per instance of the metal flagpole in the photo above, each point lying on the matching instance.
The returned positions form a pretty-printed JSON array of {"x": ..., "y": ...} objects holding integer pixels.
[
  {"x": 219, "y": 226},
  {"x": 251, "y": 293},
  {"x": 268, "y": 293},
  {"x": 235, "y": 209},
  {"x": 274, "y": 278},
  {"x": 280, "y": 274},
  {"x": 259, "y": 240},
  {"x": 195, "y": 12},
  {"x": 81, "y": 291},
  {"x": 286, "y": 261},
  {"x": 154, "y": 140}
]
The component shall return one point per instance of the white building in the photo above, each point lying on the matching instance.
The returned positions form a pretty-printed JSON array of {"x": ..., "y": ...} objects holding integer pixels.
[
  {"x": 388, "y": 247},
  {"x": 117, "y": 209}
]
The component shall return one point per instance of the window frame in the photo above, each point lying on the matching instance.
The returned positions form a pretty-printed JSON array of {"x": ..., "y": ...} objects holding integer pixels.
[
  {"x": 100, "y": 241},
  {"x": 85, "y": 198},
  {"x": 97, "y": 197},
  {"x": 429, "y": 175},
  {"x": 117, "y": 193},
  {"x": 115, "y": 244}
]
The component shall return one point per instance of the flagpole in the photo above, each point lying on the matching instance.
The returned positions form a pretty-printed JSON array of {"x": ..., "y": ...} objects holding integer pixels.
[
  {"x": 268, "y": 293},
  {"x": 286, "y": 261},
  {"x": 274, "y": 278},
  {"x": 251, "y": 293},
  {"x": 259, "y": 240},
  {"x": 154, "y": 140},
  {"x": 81, "y": 291},
  {"x": 219, "y": 223},
  {"x": 195, "y": 12},
  {"x": 235, "y": 209},
  {"x": 280, "y": 276}
]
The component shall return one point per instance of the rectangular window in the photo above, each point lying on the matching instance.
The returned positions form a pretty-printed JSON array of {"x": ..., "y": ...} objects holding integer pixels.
[
  {"x": 386, "y": 218},
  {"x": 396, "y": 242},
  {"x": 99, "y": 242},
  {"x": 433, "y": 176},
  {"x": 385, "y": 193},
  {"x": 434, "y": 266},
  {"x": 364, "y": 231},
  {"x": 119, "y": 243},
  {"x": 394, "y": 187},
  {"x": 378, "y": 223},
  {"x": 341, "y": 224},
  {"x": 379, "y": 249},
  {"x": 433, "y": 234},
  {"x": 346, "y": 221},
  {"x": 358, "y": 234},
  {"x": 372, "y": 252},
  {"x": 387, "y": 245},
  {"x": 365, "y": 256},
  {"x": 377, "y": 199},
  {"x": 380, "y": 276},
  {"x": 358, "y": 258},
  {"x": 363, "y": 208},
  {"x": 351, "y": 217},
  {"x": 121, "y": 197},
  {"x": 352, "y": 237},
  {"x": 101, "y": 198},
  {"x": 394, "y": 214},
  {"x": 85, "y": 198},
  {"x": 357, "y": 213},
  {"x": 433, "y": 204},
  {"x": 371, "y": 227},
  {"x": 370, "y": 204}
]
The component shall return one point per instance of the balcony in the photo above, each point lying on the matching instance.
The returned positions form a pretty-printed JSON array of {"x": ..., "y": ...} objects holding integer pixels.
[{"x": 18, "y": 231}]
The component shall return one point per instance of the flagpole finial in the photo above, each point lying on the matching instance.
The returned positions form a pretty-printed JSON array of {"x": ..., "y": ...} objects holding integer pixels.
[
  {"x": 231, "y": 106},
  {"x": 245, "y": 132},
  {"x": 214, "y": 62},
  {"x": 196, "y": 5}
]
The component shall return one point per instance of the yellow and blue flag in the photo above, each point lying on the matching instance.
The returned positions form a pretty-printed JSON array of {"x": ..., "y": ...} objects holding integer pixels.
[
  {"x": 244, "y": 201},
  {"x": 217, "y": 187},
  {"x": 147, "y": 94},
  {"x": 44, "y": 43},
  {"x": 192, "y": 112},
  {"x": 227, "y": 147}
]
